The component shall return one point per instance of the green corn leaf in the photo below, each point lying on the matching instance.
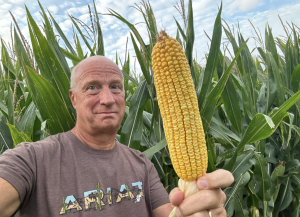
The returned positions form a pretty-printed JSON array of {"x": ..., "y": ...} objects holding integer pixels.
[
  {"x": 190, "y": 37},
  {"x": 295, "y": 81},
  {"x": 285, "y": 197},
  {"x": 292, "y": 164},
  {"x": 129, "y": 78},
  {"x": 214, "y": 95},
  {"x": 27, "y": 121},
  {"x": 244, "y": 94},
  {"x": 154, "y": 149},
  {"x": 3, "y": 109},
  {"x": 151, "y": 24},
  {"x": 100, "y": 42},
  {"x": 296, "y": 46},
  {"x": 10, "y": 107},
  {"x": 294, "y": 206},
  {"x": 262, "y": 54},
  {"x": 281, "y": 45},
  {"x": 231, "y": 104},
  {"x": 131, "y": 133},
  {"x": 238, "y": 184},
  {"x": 49, "y": 104},
  {"x": 291, "y": 119},
  {"x": 223, "y": 139},
  {"x": 11, "y": 75},
  {"x": 261, "y": 127},
  {"x": 211, "y": 156},
  {"x": 43, "y": 94},
  {"x": 79, "y": 48},
  {"x": 50, "y": 67},
  {"x": 17, "y": 136},
  {"x": 179, "y": 29},
  {"x": 134, "y": 30},
  {"x": 83, "y": 37},
  {"x": 62, "y": 35},
  {"x": 178, "y": 39},
  {"x": 20, "y": 52},
  {"x": 225, "y": 129},
  {"x": 72, "y": 57},
  {"x": 243, "y": 163},
  {"x": 141, "y": 61},
  {"x": 277, "y": 172},
  {"x": 147, "y": 117},
  {"x": 262, "y": 178},
  {"x": 289, "y": 63},
  {"x": 7, "y": 63},
  {"x": 270, "y": 44},
  {"x": 236, "y": 49},
  {"x": 272, "y": 84},
  {"x": 211, "y": 60},
  {"x": 6, "y": 141},
  {"x": 229, "y": 164},
  {"x": 54, "y": 44},
  {"x": 250, "y": 72},
  {"x": 261, "y": 100},
  {"x": 238, "y": 205},
  {"x": 2, "y": 85}
]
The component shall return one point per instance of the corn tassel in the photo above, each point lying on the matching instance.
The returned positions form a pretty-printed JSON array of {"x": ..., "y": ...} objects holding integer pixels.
[{"x": 178, "y": 104}]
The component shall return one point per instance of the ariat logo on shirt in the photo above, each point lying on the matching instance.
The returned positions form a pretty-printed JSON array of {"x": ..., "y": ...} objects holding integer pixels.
[{"x": 97, "y": 199}]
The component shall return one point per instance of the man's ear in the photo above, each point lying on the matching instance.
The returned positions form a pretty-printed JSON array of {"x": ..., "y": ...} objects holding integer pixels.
[{"x": 73, "y": 98}]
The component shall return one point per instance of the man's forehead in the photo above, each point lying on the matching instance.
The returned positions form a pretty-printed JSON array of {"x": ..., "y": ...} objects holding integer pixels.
[
  {"x": 100, "y": 62},
  {"x": 99, "y": 79},
  {"x": 97, "y": 64}
]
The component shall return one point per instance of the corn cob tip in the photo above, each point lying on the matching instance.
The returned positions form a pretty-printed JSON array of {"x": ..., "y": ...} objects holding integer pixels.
[{"x": 162, "y": 34}]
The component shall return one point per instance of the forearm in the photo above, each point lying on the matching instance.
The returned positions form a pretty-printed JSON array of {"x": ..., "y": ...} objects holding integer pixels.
[
  {"x": 9, "y": 199},
  {"x": 163, "y": 211}
]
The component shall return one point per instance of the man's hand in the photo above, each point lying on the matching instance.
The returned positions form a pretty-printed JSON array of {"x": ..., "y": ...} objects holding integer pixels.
[{"x": 210, "y": 197}]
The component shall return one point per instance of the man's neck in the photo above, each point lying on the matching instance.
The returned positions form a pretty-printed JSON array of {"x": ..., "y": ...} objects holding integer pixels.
[{"x": 97, "y": 141}]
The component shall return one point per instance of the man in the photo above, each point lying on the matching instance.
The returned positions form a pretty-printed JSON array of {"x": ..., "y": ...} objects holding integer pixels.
[{"x": 85, "y": 172}]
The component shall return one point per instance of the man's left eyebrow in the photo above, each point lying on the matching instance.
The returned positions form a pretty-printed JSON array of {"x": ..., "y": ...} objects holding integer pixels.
[{"x": 116, "y": 80}]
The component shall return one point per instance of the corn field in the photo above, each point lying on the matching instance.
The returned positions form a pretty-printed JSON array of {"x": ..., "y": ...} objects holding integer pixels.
[{"x": 249, "y": 105}]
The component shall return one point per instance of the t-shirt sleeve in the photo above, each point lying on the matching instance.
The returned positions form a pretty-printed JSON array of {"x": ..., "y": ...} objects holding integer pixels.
[
  {"x": 158, "y": 193},
  {"x": 18, "y": 167}
]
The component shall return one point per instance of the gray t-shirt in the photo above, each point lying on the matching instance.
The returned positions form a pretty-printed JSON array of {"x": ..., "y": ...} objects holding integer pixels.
[{"x": 62, "y": 176}]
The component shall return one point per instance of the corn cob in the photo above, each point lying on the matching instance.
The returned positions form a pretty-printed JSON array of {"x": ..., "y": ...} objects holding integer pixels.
[{"x": 178, "y": 104}]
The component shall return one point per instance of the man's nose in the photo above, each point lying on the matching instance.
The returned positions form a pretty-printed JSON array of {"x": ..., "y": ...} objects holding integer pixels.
[{"x": 106, "y": 96}]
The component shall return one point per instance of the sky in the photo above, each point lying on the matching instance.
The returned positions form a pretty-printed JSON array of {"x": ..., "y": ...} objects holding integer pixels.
[{"x": 235, "y": 13}]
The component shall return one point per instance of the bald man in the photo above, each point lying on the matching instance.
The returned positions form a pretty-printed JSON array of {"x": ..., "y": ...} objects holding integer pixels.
[{"x": 86, "y": 172}]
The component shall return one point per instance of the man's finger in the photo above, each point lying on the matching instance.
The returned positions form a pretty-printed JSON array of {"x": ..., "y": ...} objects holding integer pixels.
[
  {"x": 217, "y": 179},
  {"x": 200, "y": 214},
  {"x": 219, "y": 212},
  {"x": 176, "y": 197},
  {"x": 202, "y": 200}
]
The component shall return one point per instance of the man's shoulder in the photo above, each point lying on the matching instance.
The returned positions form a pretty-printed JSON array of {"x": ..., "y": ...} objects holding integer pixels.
[
  {"x": 46, "y": 144},
  {"x": 133, "y": 153}
]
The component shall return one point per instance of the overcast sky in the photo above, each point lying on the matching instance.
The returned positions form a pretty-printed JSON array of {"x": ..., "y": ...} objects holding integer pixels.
[{"x": 259, "y": 12}]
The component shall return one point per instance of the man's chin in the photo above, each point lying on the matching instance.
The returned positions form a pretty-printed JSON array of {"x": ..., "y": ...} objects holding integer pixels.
[{"x": 110, "y": 128}]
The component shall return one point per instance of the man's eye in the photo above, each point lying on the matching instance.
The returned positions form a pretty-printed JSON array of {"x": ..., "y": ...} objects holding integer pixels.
[
  {"x": 92, "y": 87},
  {"x": 115, "y": 87}
]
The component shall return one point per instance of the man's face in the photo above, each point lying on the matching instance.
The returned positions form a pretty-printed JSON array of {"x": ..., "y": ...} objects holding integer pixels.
[{"x": 99, "y": 96}]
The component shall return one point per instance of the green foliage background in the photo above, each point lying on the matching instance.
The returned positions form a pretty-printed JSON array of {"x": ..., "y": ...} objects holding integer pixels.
[{"x": 249, "y": 105}]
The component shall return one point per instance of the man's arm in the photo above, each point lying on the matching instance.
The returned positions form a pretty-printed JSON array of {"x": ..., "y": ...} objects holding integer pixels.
[
  {"x": 163, "y": 211},
  {"x": 9, "y": 199}
]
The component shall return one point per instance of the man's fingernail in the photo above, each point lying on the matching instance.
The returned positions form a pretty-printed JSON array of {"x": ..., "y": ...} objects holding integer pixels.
[
  {"x": 178, "y": 213},
  {"x": 202, "y": 184}
]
